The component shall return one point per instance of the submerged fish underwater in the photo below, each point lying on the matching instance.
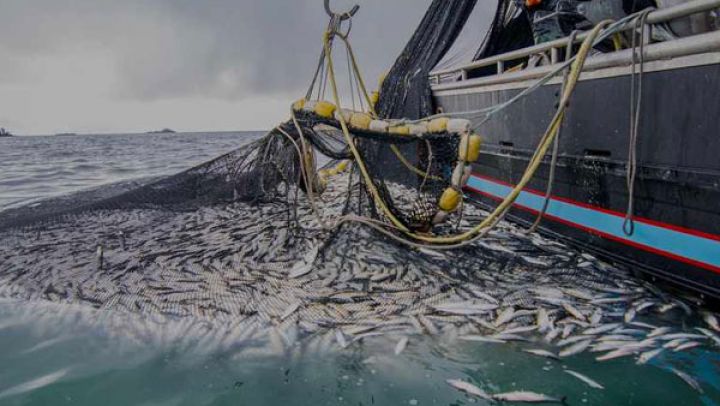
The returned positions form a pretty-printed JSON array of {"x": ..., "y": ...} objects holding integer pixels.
[{"x": 521, "y": 317}]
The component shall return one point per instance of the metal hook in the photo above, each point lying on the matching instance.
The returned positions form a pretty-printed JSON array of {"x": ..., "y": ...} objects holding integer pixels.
[{"x": 343, "y": 16}]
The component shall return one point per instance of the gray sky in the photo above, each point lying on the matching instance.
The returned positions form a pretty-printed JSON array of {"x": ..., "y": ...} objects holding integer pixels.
[{"x": 138, "y": 65}]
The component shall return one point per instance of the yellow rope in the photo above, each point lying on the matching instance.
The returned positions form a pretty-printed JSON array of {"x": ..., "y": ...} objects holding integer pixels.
[{"x": 534, "y": 164}]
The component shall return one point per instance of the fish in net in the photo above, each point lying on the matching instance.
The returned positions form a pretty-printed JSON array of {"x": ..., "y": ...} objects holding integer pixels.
[{"x": 274, "y": 235}]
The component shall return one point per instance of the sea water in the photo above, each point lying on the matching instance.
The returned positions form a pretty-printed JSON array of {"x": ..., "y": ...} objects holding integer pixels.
[{"x": 53, "y": 354}]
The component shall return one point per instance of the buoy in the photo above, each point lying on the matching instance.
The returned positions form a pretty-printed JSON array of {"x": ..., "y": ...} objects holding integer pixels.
[
  {"x": 325, "y": 109},
  {"x": 474, "y": 149},
  {"x": 438, "y": 125},
  {"x": 449, "y": 200},
  {"x": 360, "y": 121},
  {"x": 469, "y": 149},
  {"x": 400, "y": 130},
  {"x": 299, "y": 105}
]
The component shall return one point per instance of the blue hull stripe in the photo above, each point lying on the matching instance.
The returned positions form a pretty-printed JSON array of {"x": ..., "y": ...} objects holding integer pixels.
[{"x": 692, "y": 247}]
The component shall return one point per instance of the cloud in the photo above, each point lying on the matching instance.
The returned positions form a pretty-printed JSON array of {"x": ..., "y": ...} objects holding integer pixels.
[{"x": 135, "y": 55}]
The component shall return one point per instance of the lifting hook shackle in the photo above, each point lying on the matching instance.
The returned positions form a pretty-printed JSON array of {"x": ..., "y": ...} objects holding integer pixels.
[{"x": 343, "y": 16}]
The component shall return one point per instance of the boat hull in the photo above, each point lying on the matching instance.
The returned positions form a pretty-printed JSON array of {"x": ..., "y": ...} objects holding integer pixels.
[{"x": 676, "y": 218}]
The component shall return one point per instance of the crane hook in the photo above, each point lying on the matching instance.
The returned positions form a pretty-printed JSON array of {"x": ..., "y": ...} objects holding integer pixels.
[{"x": 343, "y": 16}]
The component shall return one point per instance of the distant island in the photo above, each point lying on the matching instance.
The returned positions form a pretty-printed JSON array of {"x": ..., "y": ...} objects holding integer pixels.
[
  {"x": 65, "y": 134},
  {"x": 163, "y": 131},
  {"x": 5, "y": 133}
]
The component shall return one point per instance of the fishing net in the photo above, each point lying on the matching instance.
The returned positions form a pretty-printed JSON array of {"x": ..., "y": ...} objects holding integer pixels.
[
  {"x": 293, "y": 235},
  {"x": 406, "y": 91}
]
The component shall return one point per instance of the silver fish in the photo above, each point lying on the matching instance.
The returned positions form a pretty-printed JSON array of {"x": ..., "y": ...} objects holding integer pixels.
[
  {"x": 509, "y": 337},
  {"x": 686, "y": 346},
  {"x": 429, "y": 326},
  {"x": 575, "y": 348},
  {"x": 290, "y": 310},
  {"x": 711, "y": 321},
  {"x": 400, "y": 347},
  {"x": 552, "y": 334},
  {"x": 504, "y": 316},
  {"x": 630, "y": 315},
  {"x": 527, "y": 397},
  {"x": 542, "y": 320},
  {"x": 674, "y": 343},
  {"x": 567, "y": 330},
  {"x": 644, "y": 305},
  {"x": 590, "y": 382},
  {"x": 620, "y": 352},
  {"x": 596, "y": 317},
  {"x": 580, "y": 294},
  {"x": 675, "y": 336},
  {"x": 542, "y": 353},
  {"x": 667, "y": 307},
  {"x": 483, "y": 295},
  {"x": 573, "y": 339},
  {"x": 482, "y": 339},
  {"x": 468, "y": 388},
  {"x": 573, "y": 311},
  {"x": 601, "y": 329},
  {"x": 714, "y": 337},
  {"x": 341, "y": 339},
  {"x": 658, "y": 332},
  {"x": 466, "y": 308},
  {"x": 688, "y": 379},
  {"x": 648, "y": 355},
  {"x": 518, "y": 330}
]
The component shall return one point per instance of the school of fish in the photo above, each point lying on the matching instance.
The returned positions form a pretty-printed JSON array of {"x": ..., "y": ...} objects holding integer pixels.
[{"x": 238, "y": 273}]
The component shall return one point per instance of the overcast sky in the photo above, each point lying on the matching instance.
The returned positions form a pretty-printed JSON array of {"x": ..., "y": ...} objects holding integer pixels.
[{"x": 139, "y": 65}]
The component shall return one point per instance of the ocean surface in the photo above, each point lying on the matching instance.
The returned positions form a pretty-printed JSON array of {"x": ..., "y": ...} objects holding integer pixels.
[
  {"x": 39, "y": 167},
  {"x": 56, "y": 354}
]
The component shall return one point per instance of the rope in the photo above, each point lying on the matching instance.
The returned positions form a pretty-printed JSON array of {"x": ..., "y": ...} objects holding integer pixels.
[
  {"x": 635, "y": 115},
  {"x": 556, "y": 145},
  {"x": 488, "y": 112},
  {"x": 502, "y": 209}
]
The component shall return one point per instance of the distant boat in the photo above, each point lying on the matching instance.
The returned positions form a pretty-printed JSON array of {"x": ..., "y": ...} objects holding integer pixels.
[
  {"x": 5, "y": 133},
  {"x": 65, "y": 134},
  {"x": 163, "y": 131}
]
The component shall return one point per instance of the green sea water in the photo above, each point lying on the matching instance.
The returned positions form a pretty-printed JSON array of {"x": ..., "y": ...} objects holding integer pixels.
[{"x": 88, "y": 358}]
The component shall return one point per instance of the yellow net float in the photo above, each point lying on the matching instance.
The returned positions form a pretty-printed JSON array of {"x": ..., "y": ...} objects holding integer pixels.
[
  {"x": 399, "y": 130},
  {"x": 418, "y": 129},
  {"x": 450, "y": 200},
  {"x": 438, "y": 125},
  {"x": 299, "y": 105},
  {"x": 325, "y": 109},
  {"x": 469, "y": 150},
  {"x": 360, "y": 121}
]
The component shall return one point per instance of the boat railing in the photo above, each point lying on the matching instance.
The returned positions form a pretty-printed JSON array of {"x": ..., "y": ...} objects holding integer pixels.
[{"x": 699, "y": 43}]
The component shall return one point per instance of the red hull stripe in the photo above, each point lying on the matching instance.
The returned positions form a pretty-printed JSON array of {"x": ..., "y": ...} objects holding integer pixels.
[{"x": 688, "y": 246}]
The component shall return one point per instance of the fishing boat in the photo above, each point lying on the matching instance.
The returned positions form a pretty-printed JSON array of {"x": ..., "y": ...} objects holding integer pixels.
[
  {"x": 5, "y": 133},
  {"x": 635, "y": 174}
]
